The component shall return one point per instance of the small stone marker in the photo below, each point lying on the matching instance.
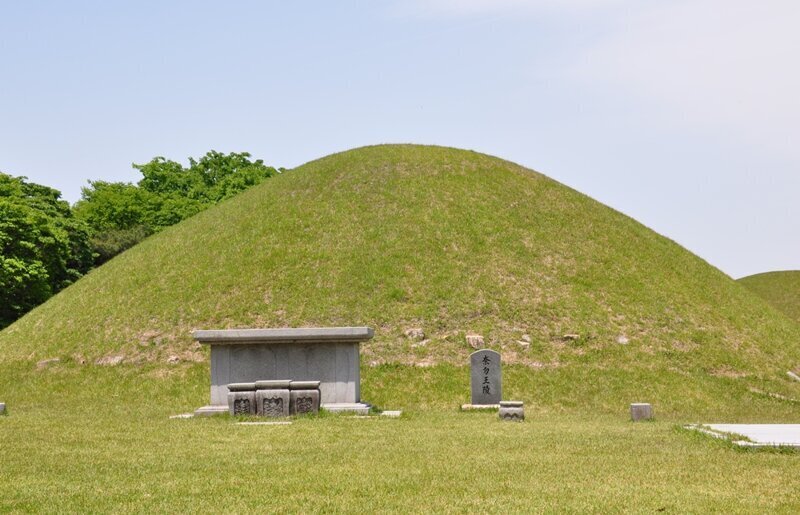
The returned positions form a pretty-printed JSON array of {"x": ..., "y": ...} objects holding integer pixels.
[
  {"x": 486, "y": 381},
  {"x": 304, "y": 397},
  {"x": 512, "y": 410},
  {"x": 2, "y": 408},
  {"x": 242, "y": 398},
  {"x": 272, "y": 398},
  {"x": 641, "y": 411}
]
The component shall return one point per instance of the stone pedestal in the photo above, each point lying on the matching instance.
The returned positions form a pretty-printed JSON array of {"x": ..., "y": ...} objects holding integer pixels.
[
  {"x": 641, "y": 411},
  {"x": 304, "y": 397},
  {"x": 512, "y": 410},
  {"x": 329, "y": 355},
  {"x": 242, "y": 398},
  {"x": 272, "y": 398}
]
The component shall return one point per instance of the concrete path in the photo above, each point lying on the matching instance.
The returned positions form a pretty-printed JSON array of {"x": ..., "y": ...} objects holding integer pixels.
[{"x": 759, "y": 435}]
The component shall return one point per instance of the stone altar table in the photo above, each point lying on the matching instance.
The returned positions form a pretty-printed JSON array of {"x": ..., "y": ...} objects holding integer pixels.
[{"x": 329, "y": 355}]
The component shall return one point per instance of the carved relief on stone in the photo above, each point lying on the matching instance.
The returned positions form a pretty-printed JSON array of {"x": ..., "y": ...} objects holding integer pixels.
[
  {"x": 305, "y": 405},
  {"x": 512, "y": 410},
  {"x": 241, "y": 406},
  {"x": 273, "y": 407}
]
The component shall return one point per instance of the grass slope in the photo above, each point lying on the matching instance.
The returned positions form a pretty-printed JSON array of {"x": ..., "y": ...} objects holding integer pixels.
[{"x": 780, "y": 289}]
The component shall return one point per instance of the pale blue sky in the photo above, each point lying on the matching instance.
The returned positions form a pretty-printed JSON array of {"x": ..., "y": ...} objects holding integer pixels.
[{"x": 682, "y": 114}]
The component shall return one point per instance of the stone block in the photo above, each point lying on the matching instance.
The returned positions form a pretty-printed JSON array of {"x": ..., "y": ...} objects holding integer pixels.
[
  {"x": 641, "y": 411},
  {"x": 304, "y": 397},
  {"x": 242, "y": 399},
  {"x": 511, "y": 410},
  {"x": 272, "y": 398}
]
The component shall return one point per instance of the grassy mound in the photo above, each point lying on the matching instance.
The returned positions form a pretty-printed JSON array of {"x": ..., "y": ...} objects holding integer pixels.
[
  {"x": 780, "y": 289},
  {"x": 402, "y": 236}
]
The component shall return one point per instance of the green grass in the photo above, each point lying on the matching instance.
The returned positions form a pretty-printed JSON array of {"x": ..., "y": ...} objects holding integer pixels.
[
  {"x": 393, "y": 237},
  {"x": 780, "y": 289},
  {"x": 88, "y": 439}
]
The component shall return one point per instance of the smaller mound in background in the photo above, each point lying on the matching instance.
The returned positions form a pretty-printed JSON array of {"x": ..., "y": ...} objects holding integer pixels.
[{"x": 780, "y": 289}]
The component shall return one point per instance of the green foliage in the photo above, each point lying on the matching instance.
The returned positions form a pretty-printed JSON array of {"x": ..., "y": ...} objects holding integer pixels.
[
  {"x": 110, "y": 242},
  {"x": 122, "y": 214},
  {"x": 43, "y": 248}
]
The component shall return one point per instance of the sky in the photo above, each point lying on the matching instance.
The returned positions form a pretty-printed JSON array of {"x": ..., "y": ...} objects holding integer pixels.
[{"x": 684, "y": 115}]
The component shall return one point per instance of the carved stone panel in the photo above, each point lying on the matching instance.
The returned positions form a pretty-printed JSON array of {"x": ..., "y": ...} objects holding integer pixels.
[
  {"x": 273, "y": 403},
  {"x": 241, "y": 406},
  {"x": 512, "y": 410},
  {"x": 242, "y": 403},
  {"x": 304, "y": 401}
]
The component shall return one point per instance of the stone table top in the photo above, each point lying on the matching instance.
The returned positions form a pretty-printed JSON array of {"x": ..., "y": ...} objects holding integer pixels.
[{"x": 283, "y": 335}]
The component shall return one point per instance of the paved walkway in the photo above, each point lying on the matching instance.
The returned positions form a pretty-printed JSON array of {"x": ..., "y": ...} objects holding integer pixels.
[{"x": 759, "y": 435}]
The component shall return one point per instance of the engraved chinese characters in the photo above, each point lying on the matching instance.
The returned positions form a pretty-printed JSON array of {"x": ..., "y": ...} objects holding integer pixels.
[{"x": 486, "y": 380}]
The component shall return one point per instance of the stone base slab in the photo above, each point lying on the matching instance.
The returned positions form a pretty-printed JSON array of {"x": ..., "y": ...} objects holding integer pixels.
[
  {"x": 470, "y": 407},
  {"x": 207, "y": 411},
  {"x": 359, "y": 408}
]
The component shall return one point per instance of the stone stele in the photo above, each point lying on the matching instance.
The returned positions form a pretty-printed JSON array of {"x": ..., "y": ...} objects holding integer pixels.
[
  {"x": 328, "y": 354},
  {"x": 485, "y": 377}
]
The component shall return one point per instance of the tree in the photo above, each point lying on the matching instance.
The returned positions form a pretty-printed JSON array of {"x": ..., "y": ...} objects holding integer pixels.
[
  {"x": 43, "y": 247},
  {"x": 122, "y": 214}
]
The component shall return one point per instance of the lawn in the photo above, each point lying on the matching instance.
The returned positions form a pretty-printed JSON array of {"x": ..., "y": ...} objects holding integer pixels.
[{"x": 77, "y": 439}]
